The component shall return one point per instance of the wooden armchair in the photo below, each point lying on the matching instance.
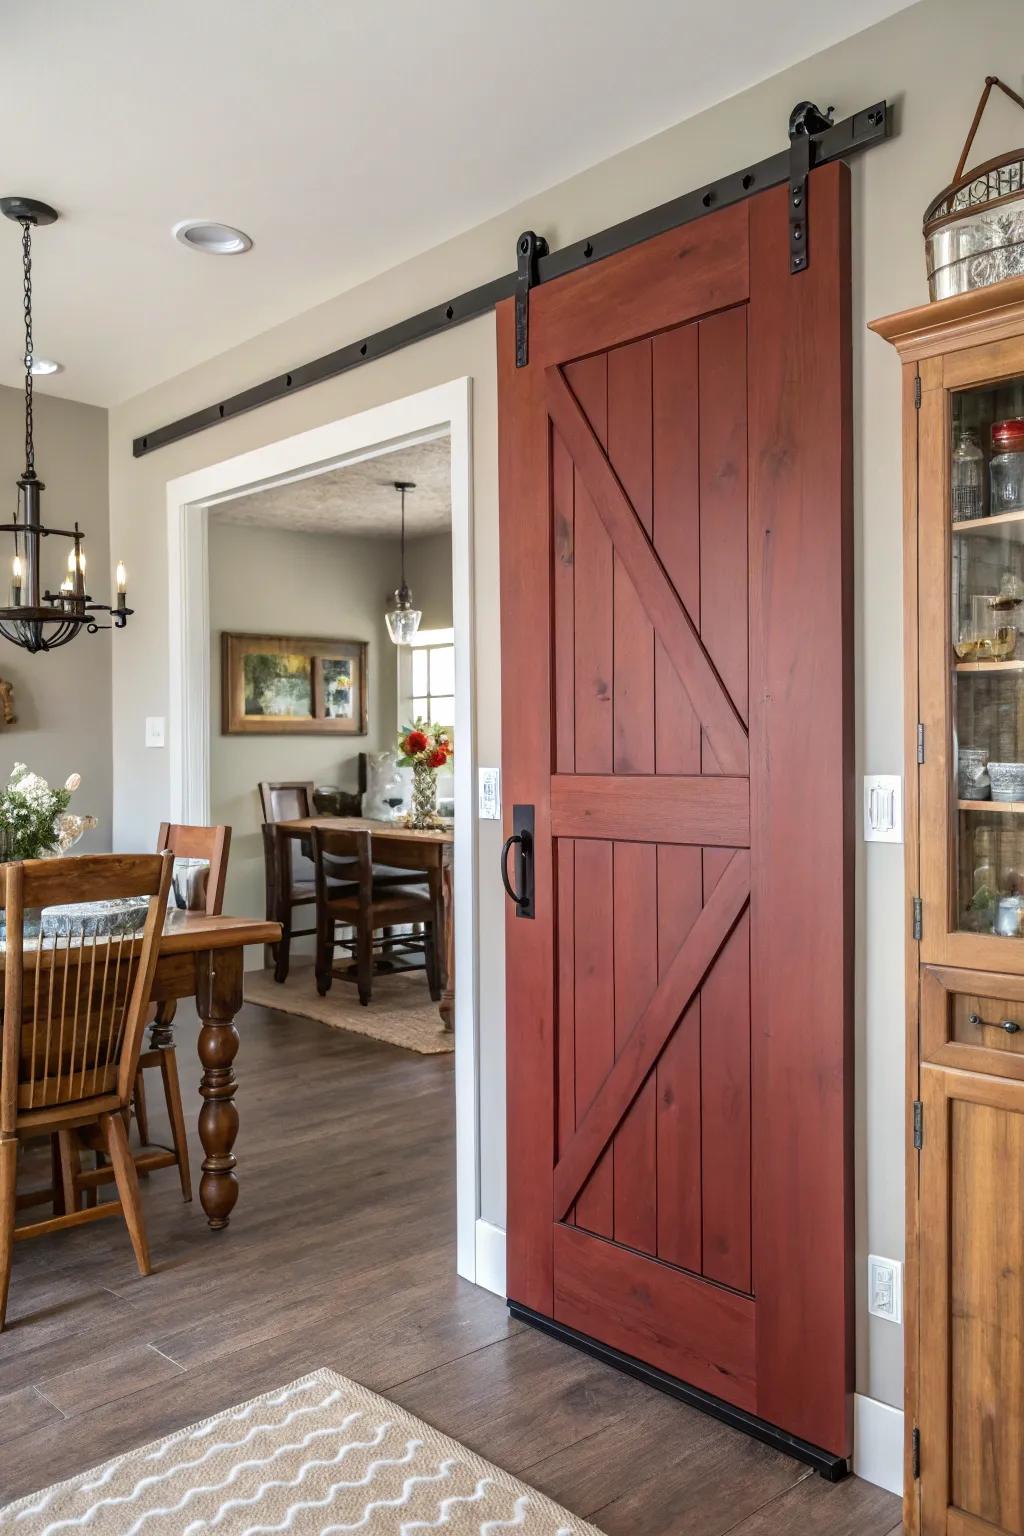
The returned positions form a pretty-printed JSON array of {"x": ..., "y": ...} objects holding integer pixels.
[
  {"x": 348, "y": 894},
  {"x": 212, "y": 844},
  {"x": 74, "y": 1012}
]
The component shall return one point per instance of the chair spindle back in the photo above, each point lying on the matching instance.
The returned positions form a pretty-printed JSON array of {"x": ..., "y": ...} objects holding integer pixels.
[{"x": 75, "y": 997}]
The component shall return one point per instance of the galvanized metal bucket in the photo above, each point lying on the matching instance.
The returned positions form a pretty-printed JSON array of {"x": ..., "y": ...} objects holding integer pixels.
[{"x": 974, "y": 229}]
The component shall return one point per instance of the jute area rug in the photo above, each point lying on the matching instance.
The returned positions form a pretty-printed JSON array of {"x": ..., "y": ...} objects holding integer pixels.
[
  {"x": 400, "y": 1010},
  {"x": 317, "y": 1458}
]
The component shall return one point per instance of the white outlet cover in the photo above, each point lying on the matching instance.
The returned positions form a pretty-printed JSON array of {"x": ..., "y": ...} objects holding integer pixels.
[
  {"x": 885, "y": 1288},
  {"x": 489, "y": 799},
  {"x": 883, "y": 808},
  {"x": 155, "y": 729}
]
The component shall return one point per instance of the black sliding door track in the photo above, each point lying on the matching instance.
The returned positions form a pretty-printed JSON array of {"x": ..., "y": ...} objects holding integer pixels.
[{"x": 834, "y": 142}]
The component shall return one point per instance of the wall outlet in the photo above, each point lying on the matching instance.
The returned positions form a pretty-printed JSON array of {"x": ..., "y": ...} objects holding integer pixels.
[
  {"x": 154, "y": 730},
  {"x": 490, "y": 794},
  {"x": 883, "y": 808},
  {"x": 885, "y": 1288}
]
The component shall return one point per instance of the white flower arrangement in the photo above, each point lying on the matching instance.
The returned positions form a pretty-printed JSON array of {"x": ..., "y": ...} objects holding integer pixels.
[{"x": 34, "y": 818}]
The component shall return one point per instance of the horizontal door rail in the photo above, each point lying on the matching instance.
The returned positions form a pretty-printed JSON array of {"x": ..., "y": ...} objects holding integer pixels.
[
  {"x": 712, "y": 811},
  {"x": 835, "y": 142}
]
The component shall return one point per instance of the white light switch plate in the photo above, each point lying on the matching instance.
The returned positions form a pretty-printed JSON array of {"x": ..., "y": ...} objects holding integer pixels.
[
  {"x": 489, "y": 808},
  {"x": 885, "y": 1288},
  {"x": 154, "y": 730},
  {"x": 883, "y": 808}
]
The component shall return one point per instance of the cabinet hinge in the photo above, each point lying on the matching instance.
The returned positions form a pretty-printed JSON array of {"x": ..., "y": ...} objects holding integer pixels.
[
  {"x": 918, "y": 917},
  {"x": 917, "y": 393},
  {"x": 918, "y": 1125},
  {"x": 915, "y": 1452},
  {"x": 920, "y": 741}
]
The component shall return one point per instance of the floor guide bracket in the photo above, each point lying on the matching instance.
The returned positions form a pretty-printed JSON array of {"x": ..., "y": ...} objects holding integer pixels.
[{"x": 830, "y": 1466}]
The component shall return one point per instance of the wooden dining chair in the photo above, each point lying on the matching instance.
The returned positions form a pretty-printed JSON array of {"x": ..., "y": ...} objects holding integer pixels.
[
  {"x": 74, "y": 1011},
  {"x": 286, "y": 887},
  {"x": 212, "y": 844},
  {"x": 349, "y": 897}
]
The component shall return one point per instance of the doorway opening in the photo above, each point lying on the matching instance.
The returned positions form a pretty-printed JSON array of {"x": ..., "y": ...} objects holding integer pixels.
[{"x": 209, "y": 514}]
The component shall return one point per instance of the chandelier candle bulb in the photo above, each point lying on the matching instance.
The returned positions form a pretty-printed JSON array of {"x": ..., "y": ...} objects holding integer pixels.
[{"x": 16, "y": 581}]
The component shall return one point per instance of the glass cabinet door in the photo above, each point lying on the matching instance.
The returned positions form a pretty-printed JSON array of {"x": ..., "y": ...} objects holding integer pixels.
[{"x": 986, "y": 543}]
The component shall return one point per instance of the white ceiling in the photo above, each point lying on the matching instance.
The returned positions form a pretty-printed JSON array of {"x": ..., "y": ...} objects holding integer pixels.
[
  {"x": 342, "y": 136},
  {"x": 358, "y": 498}
]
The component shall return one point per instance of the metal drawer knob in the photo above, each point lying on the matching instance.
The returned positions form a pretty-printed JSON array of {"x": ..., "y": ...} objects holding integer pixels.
[{"x": 1008, "y": 1025}]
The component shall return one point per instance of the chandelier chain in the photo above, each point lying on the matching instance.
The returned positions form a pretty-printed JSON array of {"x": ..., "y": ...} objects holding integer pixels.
[{"x": 26, "y": 261}]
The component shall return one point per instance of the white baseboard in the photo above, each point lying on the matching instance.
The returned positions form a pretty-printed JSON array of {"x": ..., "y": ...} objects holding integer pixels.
[
  {"x": 490, "y": 1257},
  {"x": 878, "y": 1443}
]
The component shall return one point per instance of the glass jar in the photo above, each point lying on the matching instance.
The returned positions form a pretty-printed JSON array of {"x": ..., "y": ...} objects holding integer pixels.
[
  {"x": 967, "y": 480},
  {"x": 1006, "y": 467}
]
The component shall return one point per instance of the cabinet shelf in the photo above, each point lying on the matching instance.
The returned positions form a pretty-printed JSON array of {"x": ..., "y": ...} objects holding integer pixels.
[
  {"x": 989, "y": 666},
  {"x": 1005, "y": 807},
  {"x": 1005, "y": 525}
]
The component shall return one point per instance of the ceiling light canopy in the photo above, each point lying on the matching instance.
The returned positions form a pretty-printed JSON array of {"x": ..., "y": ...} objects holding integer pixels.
[
  {"x": 212, "y": 238},
  {"x": 45, "y": 365}
]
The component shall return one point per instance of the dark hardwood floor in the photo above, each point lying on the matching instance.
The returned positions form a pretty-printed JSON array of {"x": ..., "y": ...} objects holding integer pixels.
[{"x": 341, "y": 1253}]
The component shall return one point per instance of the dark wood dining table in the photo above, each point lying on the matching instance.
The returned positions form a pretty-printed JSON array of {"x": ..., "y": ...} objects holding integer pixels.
[
  {"x": 393, "y": 834},
  {"x": 201, "y": 957}
]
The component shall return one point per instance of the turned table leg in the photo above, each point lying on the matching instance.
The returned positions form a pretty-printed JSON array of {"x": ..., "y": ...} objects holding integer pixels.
[
  {"x": 218, "y": 999},
  {"x": 447, "y": 947}
]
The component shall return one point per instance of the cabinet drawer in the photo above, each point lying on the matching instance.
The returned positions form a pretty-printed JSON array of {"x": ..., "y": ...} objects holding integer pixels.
[{"x": 973, "y": 1020}]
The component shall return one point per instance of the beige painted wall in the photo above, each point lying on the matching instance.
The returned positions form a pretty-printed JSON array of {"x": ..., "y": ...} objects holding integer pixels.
[
  {"x": 428, "y": 570},
  {"x": 269, "y": 581},
  {"x": 930, "y": 61},
  {"x": 62, "y": 697}
]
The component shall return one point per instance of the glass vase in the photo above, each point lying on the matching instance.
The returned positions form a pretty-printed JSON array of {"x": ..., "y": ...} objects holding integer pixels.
[{"x": 423, "y": 812}]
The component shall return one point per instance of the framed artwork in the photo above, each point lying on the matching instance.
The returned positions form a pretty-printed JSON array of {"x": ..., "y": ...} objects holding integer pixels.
[{"x": 274, "y": 685}]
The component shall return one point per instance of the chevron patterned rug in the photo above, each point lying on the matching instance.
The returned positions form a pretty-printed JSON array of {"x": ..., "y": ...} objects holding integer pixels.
[{"x": 320, "y": 1457}]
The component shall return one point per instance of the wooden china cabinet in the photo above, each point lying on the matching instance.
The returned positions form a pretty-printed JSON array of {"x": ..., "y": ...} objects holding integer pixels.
[{"x": 963, "y": 389}]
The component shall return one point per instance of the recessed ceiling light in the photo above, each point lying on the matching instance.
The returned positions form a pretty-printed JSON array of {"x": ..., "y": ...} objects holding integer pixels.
[
  {"x": 46, "y": 365},
  {"x": 213, "y": 238}
]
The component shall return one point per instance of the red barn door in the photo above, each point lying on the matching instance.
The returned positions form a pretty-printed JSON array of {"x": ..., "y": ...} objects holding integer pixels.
[{"x": 676, "y": 565}]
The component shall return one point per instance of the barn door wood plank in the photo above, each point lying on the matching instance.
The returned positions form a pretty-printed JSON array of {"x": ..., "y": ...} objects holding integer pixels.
[
  {"x": 680, "y": 896},
  {"x": 524, "y": 468},
  {"x": 722, "y": 725},
  {"x": 636, "y": 969},
  {"x": 725, "y": 1101},
  {"x": 653, "y": 1028},
  {"x": 592, "y": 583},
  {"x": 594, "y": 1040},
  {"x": 630, "y": 455},
  {"x": 802, "y": 814},
  {"x": 676, "y": 470}
]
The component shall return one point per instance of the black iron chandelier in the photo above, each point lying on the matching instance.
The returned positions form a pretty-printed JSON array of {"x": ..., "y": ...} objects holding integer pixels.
[{"x": 38, "y": 619}]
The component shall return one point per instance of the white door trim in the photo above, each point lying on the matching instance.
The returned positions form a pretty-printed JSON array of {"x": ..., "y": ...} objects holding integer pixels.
[{"x": 446, "y": 407}]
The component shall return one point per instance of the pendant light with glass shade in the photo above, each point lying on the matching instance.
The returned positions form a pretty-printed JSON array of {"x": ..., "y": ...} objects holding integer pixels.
[
  {"x": 403, "y": 620},
  {"x": 36, "y": 618}
]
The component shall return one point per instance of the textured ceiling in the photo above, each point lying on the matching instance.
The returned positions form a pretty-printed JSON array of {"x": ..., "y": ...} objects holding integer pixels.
[
  {"x": 358, "y": 498},
  {"x": 344, "y": 137}
]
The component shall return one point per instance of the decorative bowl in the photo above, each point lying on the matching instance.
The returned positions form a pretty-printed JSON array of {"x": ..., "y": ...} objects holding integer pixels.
[{"x": 1007, "y": 781}]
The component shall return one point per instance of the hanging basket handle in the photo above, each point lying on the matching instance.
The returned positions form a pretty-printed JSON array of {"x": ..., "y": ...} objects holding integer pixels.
[{"x": 990, "y": 81}]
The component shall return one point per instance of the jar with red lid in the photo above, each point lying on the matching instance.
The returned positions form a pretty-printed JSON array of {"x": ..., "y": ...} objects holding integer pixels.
[{"x": 1006, "y": 467}]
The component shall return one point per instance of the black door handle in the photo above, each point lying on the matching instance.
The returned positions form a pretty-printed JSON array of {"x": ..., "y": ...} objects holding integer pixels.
[{"x": 520, "y": 838}]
